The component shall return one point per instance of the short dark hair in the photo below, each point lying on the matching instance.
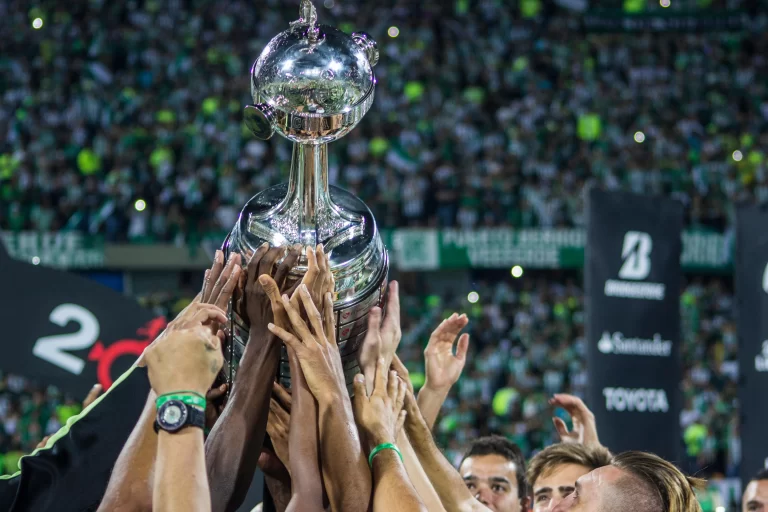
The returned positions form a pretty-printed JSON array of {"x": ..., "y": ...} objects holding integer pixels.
[
  {"x": 498, "y": 445},
  {"x": 761, "y": 475},
  {"x": 555, "y": 455}
]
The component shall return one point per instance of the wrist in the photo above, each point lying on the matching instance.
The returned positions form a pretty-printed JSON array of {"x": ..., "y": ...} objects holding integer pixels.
[
  {"x": 437, "y": 390},
  {"x": 387, "y": 452},
  {"x": 378, "y": 437},
  {"x": 331, "y": 396},
  {"x": 181, "y": 389}
]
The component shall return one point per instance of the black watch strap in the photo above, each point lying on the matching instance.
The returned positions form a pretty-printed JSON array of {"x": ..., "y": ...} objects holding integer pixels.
[{"x": 195, "y": 418}]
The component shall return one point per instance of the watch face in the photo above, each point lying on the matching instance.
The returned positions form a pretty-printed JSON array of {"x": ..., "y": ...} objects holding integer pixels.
[{"x": 172, "y": 415}]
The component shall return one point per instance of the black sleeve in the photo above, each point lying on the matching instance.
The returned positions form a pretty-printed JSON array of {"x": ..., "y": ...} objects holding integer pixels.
[{"x": 73, "y": 474}]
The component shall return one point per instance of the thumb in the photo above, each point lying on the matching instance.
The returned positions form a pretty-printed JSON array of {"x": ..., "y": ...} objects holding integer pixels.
[
  {"x": 270, "y": 288},
  {"x": 561, "y": 427},
  {"x": 462, "y": 347}
]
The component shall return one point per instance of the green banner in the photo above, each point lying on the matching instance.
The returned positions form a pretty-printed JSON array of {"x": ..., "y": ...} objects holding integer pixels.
[
  {"x": 59, "y": 250},
  {"x": 409, "y": 249},
  {"x": 665, "y": 21},
  {"x": 430, "y": 249}
]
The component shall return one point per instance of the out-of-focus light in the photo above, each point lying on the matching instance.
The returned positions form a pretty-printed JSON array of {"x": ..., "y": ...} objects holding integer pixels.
[
  {"x": 473, "y": 297},
  {"x": 664, "y": 3},
  {"x": 328, "y": 4},
  {"x": 393, "y": 31},
  {"x": 737, "y": 156},
  {"x": 720, "y": 509},
  {"x": 35, "y": 260},
  {"x": 140, "y": 205},
  {"x": 639, "y": 137},
  {"x": 516, "y": 271},
  {"x": 37, "y": 23}
]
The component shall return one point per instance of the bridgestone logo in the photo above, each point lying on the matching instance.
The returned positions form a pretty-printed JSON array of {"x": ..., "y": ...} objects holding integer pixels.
[
  {"x": 630, "y": 290},
  {"x": 616, "y": 343},
  {"x": 635, "y": 400}
]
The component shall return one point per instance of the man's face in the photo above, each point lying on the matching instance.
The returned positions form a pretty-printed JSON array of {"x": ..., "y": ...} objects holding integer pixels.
[
  {"x": 554, "y": 486},
  {"x": 755, "y": 497},
  {"x": 591, "y": 491},
  {"x": 493, "y": 481}
]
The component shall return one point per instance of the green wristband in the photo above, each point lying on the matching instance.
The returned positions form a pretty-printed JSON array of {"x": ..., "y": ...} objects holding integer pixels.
[
  {"x": 194, "y": 399},
  {"x": 382, "y": 447}
]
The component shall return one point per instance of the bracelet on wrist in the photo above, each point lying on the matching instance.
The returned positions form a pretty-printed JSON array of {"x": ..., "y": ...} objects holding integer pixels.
[
  {"x": 382, "y": 447},
  {"x": 188, "y": 397}
]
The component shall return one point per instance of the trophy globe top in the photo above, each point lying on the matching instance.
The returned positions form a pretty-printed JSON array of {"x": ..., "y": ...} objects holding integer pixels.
[{"x": 312, "y": 83}]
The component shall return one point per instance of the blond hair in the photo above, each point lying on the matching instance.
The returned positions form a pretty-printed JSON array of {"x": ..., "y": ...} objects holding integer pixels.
[
  {"x": 544, "y": 462},
  {"x": 664, "y": 486}
]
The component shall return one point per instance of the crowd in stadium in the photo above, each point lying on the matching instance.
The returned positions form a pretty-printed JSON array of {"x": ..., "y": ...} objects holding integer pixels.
[
  {"x": 527, "y": 343},
  {"x": 101, "y": 109},
  {"x": 113, "y": 128}
]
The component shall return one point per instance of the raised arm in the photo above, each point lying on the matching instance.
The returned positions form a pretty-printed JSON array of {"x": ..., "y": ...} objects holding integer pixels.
[
  {"x": 233, "y": 446},
  {"x": 445, "y": 479},
  {"x": 377, "y": 417},
  {"x": 183, "y": 366},
  {"x": 130, "y": 486},
  {"x": 306, "y": 479},
  {"x": 345, "y": 471},
  {"x": 416, "y": 473},
  {"x": 443, "y": 368}
]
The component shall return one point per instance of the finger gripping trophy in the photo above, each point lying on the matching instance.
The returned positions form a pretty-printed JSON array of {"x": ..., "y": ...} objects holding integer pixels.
[{"x": 312, "y": 84}]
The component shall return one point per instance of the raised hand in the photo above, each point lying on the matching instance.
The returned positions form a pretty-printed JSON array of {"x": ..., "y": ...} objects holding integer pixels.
[
  {"x": 584, "y": 425},
  {"x": 318, "y": 277},
  {"x": 194, "y": 315},
  {"x": 221, "y": 280},
  {"x": 187, "y": 360},
  {"x": 314, "y": 344},
  {"x": 255, "y": 303},
  {"x": 383, "y": 337},
  {"x": 380, "y": 415},
  {"x": 443, "y": 368}
]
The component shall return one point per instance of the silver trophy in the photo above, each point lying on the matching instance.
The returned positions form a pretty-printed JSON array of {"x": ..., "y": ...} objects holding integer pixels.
[{"x": 312, "y": 84}]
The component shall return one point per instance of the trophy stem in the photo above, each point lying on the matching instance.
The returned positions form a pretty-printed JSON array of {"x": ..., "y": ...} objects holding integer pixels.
[{"x": 309, "y": 179}]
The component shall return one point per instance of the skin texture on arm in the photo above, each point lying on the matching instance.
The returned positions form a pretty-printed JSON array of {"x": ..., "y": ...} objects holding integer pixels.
[
  {"x": 181, "y": 483},
  {"x": 186, "y": 361},
  {"x": 307, "y": 492},
  {"x": 379, "y": 417},
  {"x": 415, "y": 472},
  {"x": 130, "y": 486},
  {"x": 233, "y": 446},
  {"x": 445, "y": 479},
  {"x": 345, "y": 470},
  {"x": 443, "y": 368}
]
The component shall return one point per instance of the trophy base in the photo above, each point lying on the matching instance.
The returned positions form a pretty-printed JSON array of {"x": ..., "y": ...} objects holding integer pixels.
[{"x": 358, "y": 260}]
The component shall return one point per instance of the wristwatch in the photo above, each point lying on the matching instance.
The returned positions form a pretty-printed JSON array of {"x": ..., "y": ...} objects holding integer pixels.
[{"x": 174, "y": 415}]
